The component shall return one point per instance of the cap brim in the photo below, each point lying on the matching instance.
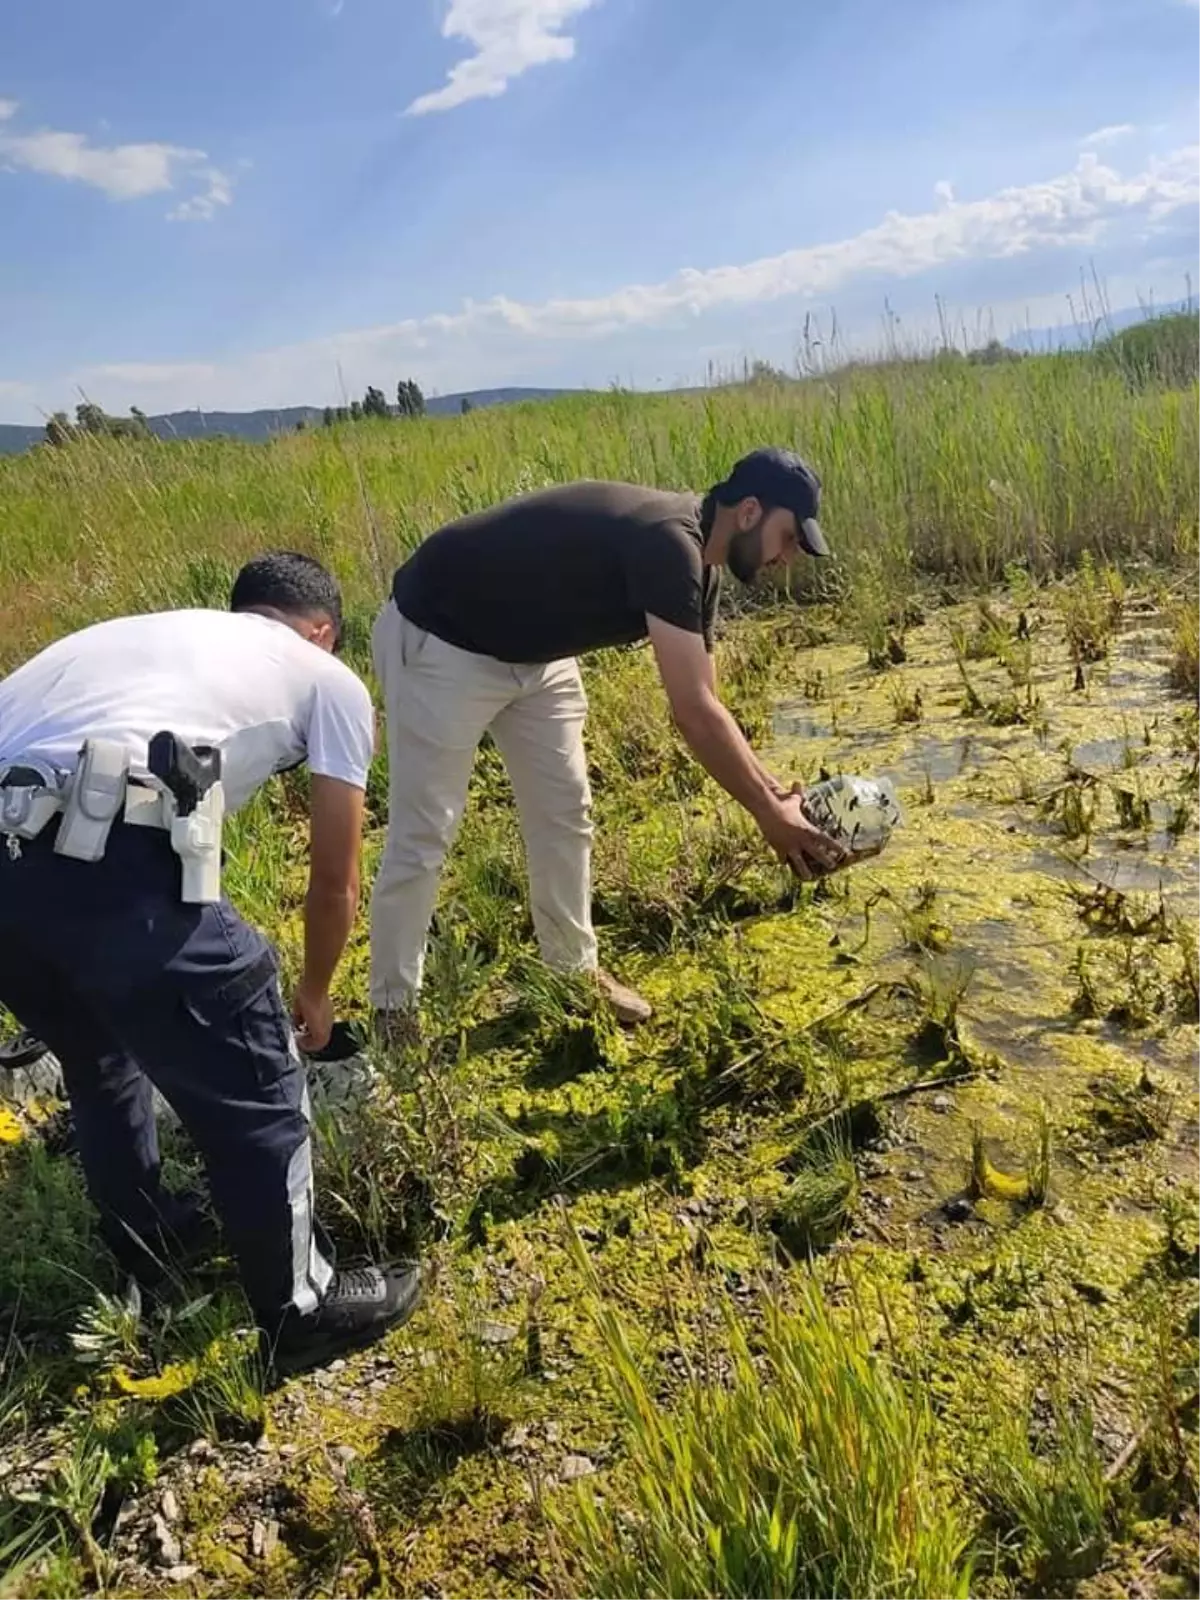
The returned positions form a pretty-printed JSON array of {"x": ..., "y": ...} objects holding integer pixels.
[{"x": 811, "y": 537}]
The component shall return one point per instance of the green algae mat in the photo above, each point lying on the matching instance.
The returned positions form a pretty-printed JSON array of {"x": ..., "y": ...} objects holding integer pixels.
[{"x": 868, "y": 1267}]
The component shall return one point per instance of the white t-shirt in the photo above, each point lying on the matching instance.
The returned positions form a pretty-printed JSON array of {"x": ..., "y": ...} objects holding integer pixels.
[{"x": 245, "y": 682}]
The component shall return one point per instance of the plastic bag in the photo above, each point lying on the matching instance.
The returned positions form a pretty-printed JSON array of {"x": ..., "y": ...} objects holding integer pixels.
[{"x": 859, "y": 813}]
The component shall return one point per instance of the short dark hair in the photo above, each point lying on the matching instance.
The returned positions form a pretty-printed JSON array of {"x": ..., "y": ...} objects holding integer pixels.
[
  {"x": 289, "y": 582},
  {"x": 721, "y": 495}
]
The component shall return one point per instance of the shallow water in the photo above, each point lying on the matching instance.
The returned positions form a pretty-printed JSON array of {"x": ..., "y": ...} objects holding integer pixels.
[{"x": 1002, "y": 871}]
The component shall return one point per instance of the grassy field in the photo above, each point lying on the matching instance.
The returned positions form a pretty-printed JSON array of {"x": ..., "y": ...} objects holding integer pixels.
[
  {"x": 870, "y": 1267},
  {"x": 937, "y": 467}
]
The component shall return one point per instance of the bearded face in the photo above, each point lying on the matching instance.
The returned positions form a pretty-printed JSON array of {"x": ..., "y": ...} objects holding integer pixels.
[{"x": 745, "y": 558}]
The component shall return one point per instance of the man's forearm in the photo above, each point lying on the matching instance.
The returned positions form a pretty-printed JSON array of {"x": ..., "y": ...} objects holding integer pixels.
[
  {"x": 717, "y": 742},
  {"x": 328, "y": 918}
]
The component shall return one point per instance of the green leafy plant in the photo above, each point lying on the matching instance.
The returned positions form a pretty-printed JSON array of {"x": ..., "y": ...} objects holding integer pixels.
[
  {"x": 1185, "y": 647},
  {"x": 1130, "y": 1110},
  {"x": 942, "y": 983},
  {"x": 1090, "y": 606},
  {"x": 571, "y": 1027},
  {"x": 1029, "y": 1187},
  {"x": 907, "y": 705}
]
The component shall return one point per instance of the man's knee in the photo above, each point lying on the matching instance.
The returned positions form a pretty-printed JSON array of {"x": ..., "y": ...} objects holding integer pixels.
[
  {"x": 420, "y": 834},
  {"x": 412, "y": 856},
  {"x": 572, "y": 823},
  {"x": 562, "y": 808}
]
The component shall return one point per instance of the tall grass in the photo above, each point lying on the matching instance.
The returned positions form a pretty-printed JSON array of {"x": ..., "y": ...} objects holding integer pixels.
[
  {"x": 940, "y": 465},
  {"x": 1159, "y": 350},
  {"x": 805, "y": 1467},
  {"x": 1051, "y": 1505}
]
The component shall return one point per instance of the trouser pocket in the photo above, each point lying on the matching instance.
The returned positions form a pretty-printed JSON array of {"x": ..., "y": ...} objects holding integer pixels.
[
  {"x": 412, "y": 641},
  {"x": 240, "y": 1007}
]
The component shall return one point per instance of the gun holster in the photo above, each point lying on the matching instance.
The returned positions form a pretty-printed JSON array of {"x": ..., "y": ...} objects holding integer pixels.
[{"x": 181, "y": 792}]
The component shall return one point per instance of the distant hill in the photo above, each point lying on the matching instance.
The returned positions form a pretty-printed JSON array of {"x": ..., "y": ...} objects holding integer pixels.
[
  {"x": 14, "y": 438},
  {"x": 260, "y": 425},
  {"x": 443, "y": 404},
  {"x": 1078, "y": 336}
]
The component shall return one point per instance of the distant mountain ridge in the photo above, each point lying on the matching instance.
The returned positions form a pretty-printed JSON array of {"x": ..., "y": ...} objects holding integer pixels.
[
  {"x": 259, "y": 425},
  {"x": 262, "y": 424},
  {"x": 1078, "y": 335}
]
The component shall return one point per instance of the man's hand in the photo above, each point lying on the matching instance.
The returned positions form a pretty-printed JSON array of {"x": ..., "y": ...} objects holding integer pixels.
[
  {"x": 797, "y": 842},
  {"x": 312, "y": 1016}
]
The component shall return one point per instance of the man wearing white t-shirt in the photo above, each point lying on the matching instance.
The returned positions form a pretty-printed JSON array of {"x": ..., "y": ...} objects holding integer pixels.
[{"x": 132, "y": 985}]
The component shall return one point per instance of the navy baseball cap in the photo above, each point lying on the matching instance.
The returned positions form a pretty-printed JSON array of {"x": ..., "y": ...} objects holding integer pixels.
[{"x": 780, "y": 478}]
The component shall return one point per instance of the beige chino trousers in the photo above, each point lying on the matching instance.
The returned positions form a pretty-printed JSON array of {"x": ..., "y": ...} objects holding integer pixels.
[{"x": 439, "y": 702}]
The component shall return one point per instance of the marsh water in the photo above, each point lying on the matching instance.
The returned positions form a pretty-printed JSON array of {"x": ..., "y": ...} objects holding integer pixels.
[{"x": 984, "y": 840}]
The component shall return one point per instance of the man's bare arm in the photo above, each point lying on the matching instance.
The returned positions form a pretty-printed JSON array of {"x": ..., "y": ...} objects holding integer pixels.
[
  {"x": 719, "y": 745},
  {"x": 335, "y": 840}
]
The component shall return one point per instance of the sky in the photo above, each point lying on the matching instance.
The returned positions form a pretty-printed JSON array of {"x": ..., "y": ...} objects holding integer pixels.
[{"x": 230, "y": 204}]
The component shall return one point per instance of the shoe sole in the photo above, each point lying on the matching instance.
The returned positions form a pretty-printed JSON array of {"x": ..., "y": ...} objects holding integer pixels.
[
  {"x": 22, "y": 1051},
  {"x": 287, "y": 1364}
]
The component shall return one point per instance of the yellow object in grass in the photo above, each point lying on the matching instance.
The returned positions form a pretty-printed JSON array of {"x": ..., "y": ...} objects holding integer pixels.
[
  {"x": 988, "y": 1179},
  {"x": 177, "y": 1376},
  {"x": 172, "y": 1380},
  {"x": 11, "y": 1131}
]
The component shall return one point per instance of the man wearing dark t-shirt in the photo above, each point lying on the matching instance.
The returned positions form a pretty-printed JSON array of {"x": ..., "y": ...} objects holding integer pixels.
[{"x": 481, "y": 633}]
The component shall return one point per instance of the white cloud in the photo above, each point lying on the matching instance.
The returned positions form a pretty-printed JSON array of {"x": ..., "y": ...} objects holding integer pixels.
[
  {"x": 138, "y": 372},
  {"x": 488, "y": 340},
  {"x": 1067, "y": 210},
  {"x": 1110, "y": 134},
  {"x": 203, "y": 207},
  {"x": 121, "y": 171},
  {"x": 944, "y": 191},
  {"x": 508, "y": 37}
]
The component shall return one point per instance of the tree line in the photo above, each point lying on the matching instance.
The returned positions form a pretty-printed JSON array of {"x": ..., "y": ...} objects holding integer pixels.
[
  {"x": 91, "y": 419},
  {"x": 410, "y": 402}
]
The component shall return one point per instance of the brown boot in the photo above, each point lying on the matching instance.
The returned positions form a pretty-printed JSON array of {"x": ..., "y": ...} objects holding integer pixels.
[{"x": 628, "y": 1006}]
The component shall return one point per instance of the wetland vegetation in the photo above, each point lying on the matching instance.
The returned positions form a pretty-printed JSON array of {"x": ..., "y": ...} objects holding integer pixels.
[{"x": 869, "y": 1267}]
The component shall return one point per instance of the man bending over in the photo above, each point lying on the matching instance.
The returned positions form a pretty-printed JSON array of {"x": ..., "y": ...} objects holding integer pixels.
[
  {"x": 118, "y": 950},
  {"x": 481, "y": 634}
]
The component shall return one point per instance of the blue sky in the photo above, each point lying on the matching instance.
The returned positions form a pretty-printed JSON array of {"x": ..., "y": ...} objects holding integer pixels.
[{"x": 228, "y": 205}]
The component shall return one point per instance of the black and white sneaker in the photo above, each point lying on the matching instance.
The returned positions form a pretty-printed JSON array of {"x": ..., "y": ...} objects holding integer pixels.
[
  {"x": 361, "y": 1306},
  {"x": 22, "y": 1050},
  {"x": 339, "y": 1075}
]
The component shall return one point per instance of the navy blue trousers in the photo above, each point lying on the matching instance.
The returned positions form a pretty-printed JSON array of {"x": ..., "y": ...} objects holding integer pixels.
[{"x": 130, "y": 987}]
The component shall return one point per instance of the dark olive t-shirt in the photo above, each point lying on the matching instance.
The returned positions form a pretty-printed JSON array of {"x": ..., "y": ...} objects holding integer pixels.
[{"x": 561, "y": 571}]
